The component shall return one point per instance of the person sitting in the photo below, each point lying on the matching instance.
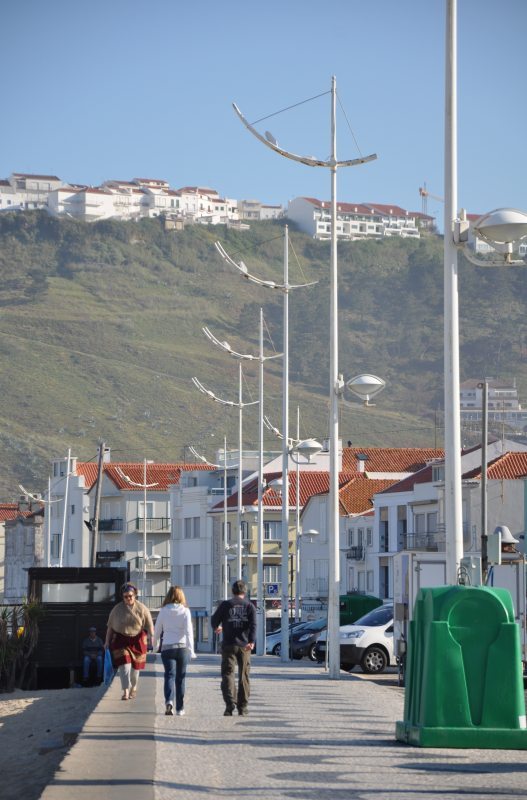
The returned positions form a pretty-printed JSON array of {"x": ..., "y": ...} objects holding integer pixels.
[{"x": 92, "y": 651}]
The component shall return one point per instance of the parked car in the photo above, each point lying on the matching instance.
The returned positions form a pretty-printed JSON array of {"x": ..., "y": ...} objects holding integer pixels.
[
  {"x": 303, "y": 640},
  {"x": 368, "y": 642},
  {"x": 273, "y": 641}
]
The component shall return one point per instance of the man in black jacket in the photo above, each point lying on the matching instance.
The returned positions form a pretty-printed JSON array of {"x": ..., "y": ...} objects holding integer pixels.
[{"x": 236, "y": 618}]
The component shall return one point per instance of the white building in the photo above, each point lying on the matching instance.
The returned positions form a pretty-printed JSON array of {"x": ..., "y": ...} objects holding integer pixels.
[
  {"x": 24, "y": 548},
  {"x": 354, "y": 220},
  {"x": 504, "y": 406},
  {"x": 21, "y": 191}
]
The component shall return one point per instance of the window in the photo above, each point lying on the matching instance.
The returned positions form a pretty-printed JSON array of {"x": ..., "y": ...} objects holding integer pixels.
[
  {"x": 362, "y": 581},
  {"x": 360, "y": 537},
  {"x": 195, "y": 574},
  {"x": 245, "y": 530},
  {"x": 149, "y": 510},
  {"x": 369, "y": 537},
  {"x": 192, "y": 529},
  {"x": 350, "y": 537},
  {"x": 384, "y": 544},
  {"x": 72, "y": 546},
  {"x": 72, "y": 509},
  {"x": 369, "y": 581},
  {"x": 55, "y": 545},
  {"x": 272, "y": 573},
  {"x": 191, "y": 575},
  {"x": 273, "y": 531}
]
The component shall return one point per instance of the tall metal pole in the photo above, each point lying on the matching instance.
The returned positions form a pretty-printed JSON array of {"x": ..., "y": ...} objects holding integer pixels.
[
  {"x": 65, "y": 514},
  {"x": 453, "y": 493},
  {"x": 333, "y": 639},
  {"x": 48, "y": 524},
  {"x": 284, "y": 639},
  {"x": 144, "y": 530},
  {"x": 225, "y": 535},
  {"x": 484, "y": 440},
  {"x": 260, "y": 633},
  {"x": 298, "y": 539},
  {"x": 240, "y": 473},
  {"x": 97, "y": 506}
]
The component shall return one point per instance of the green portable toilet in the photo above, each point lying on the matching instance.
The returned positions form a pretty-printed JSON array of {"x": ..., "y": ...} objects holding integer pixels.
[
  {"x": 464, "y": 684},
  {"x": 353, "y": 606}
]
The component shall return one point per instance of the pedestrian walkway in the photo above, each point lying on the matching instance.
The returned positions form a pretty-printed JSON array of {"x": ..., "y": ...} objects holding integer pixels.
[{"x": 306, "y": 737}]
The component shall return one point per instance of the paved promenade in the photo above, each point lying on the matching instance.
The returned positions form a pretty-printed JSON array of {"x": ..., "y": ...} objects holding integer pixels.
[{"x": 306, "y": 737}]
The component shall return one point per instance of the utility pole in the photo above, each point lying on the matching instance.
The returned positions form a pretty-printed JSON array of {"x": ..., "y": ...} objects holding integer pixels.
[
  {"x": 484, "y": 439},
  {"x": 97, "y": 509}
]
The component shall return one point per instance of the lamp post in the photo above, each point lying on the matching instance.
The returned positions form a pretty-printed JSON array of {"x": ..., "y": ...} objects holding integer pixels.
[
  {"x": 144, "y": 486},
  {"x": 334, "y": 567},
  {"x": 240, "y": 405},
  {"x": 261, "y": 359},
  {"x": 501, "y": 228},
  {"x": 47, "y": 503},
  {"x": 285, "y": 288}
]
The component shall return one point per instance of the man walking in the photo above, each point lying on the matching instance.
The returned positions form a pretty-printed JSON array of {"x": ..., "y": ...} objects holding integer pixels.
[{"x": 237, "y": 619}]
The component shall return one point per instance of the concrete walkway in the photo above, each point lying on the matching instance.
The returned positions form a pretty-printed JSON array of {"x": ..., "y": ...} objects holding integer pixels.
[{"x": 306, "y": 737}]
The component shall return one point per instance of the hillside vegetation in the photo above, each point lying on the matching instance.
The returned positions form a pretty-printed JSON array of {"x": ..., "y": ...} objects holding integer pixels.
[{"x": 100, "y": 335}]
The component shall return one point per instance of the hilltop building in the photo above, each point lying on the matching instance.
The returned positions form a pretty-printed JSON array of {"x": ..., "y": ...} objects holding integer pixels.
[{"x": 504, "y": 408}]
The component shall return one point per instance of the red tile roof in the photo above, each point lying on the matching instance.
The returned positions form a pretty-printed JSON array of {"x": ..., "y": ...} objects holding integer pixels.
[
  {"x": 29, "y": 175},
  {"x": 395, "y": 211},
  {"x": 356, "y": 496},
  {"x": 509, "y": 466},
  {"x": 161, "y": 474},
  {"x": 10, "y": 511},
  {"x": 389, "y": 459}
]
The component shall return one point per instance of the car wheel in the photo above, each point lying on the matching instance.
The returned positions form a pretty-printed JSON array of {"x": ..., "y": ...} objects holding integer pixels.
[
  {"x": 312, "y": 653},
  {"x": 374, "y": 660},
  {"x": 277, "y": 649}
]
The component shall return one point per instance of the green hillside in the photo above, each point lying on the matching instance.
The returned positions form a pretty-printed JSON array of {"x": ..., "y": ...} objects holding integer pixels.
[{"x": 100, "y": 335}]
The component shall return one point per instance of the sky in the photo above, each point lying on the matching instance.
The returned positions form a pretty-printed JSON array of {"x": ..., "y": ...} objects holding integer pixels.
[{"x": 116, "y": 89}]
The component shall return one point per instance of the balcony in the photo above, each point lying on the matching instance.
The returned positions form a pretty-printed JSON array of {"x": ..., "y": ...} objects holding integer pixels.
[
  {"x": 153, "y": 564},
  {"x": 153, "y": 525},
  {"x": 356, "y": 553},
  {"x": 431, "y": 541},
  {"x": 111, "y": 525},
  {"x": 153, "y": 601}
]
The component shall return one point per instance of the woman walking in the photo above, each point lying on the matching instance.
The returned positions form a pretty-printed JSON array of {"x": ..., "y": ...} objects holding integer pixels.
[
  {"x": 173, "y": 629},
  {"x": 129, "y": 627}
]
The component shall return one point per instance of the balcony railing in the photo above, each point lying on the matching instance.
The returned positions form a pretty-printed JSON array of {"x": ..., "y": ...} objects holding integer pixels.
[
  {"x": 109, "y": 525},
  {"x": 153, "y": 524},
  {"x": 356, "y": 553},
  {"x": 153, "y": 563},
  {"x": 152, "y": 601},
  {"x": 431, "y": 541}
]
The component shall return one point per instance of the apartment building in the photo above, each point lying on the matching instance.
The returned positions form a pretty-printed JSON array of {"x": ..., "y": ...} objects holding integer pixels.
[
  {"x": 504, "y": 407},
  {"x": 354, "y": 220}
]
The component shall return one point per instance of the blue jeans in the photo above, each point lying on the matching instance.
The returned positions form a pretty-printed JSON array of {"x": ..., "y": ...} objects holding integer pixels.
[
  {"x": 175, "y": 663},
  {"x": 86, "y": 661}
]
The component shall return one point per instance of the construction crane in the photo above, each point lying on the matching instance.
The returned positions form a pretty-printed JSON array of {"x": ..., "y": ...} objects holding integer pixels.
[{"x": 425, "y": 194}]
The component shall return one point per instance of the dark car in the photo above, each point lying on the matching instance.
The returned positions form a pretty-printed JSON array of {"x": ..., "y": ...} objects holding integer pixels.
[{"x": 303, "y": 640}]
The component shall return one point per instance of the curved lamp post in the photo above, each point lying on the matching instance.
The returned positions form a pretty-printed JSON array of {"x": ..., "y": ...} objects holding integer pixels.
[
  {"x": 261, "y": 360},
  {"x": 240, "y": 405},
  {"x": 332, "y": 163},
  {"x": 144, "y": 486},
  {"x": 285, "y": 288}
]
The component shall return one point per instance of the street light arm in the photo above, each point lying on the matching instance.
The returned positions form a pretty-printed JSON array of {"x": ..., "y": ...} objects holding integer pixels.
[
  {"x": 270, "y": 427},
  {"x": 202, "y": 458},
  {"x": 35, "y": 498},
  {"x": 241, "y": 267},
  {"x": 310, "y": 161},
  {"x": 133, "y": 483},
  {"x": 228, "y": 349},
  {"x": 209, "y": 393}
]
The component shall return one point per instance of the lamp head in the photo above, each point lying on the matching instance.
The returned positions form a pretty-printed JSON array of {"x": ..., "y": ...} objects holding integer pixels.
[
  {"x": 502, "y": 226},
  {"x": 366, "y": 386},
  {"x": 506, "y": 535},
  {"x": 308, "y": 448}
]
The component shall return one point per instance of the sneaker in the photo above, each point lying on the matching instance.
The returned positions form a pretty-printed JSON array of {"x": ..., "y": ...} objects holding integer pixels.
[
  {"x": 169, "y": 710},
  {"x": 181, "y": 712},
  {"x": 243, "y": 711},
  {"x": 228, "y": 711}
]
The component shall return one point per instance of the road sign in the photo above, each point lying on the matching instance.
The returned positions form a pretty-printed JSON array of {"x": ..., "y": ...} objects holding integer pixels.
[{"x": 272, "y": 589}]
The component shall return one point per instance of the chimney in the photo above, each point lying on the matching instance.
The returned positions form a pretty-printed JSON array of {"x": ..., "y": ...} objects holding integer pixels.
[{"x": 361, "y": 462}]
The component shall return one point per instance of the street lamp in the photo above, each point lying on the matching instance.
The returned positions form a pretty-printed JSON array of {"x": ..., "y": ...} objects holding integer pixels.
[
  {"x": 144, "y": 486},
  {"x": 240, "y": 405},
  {"x": 47, "y": 503},
  {"x": 285, "y": 288},
  {"x": 260, "y": 633},
  {"x": 334, "y": 567},
  {"x": 501, "y": 228}
]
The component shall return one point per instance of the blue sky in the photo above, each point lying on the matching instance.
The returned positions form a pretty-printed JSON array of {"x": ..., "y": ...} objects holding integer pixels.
[{"x": 127, "y": 88}]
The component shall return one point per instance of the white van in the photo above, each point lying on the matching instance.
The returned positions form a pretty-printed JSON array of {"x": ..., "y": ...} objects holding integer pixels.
[{"x": 368, "y": 642}]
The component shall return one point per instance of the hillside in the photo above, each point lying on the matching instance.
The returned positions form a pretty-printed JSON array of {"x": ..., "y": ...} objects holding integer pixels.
[{"x": 100, "y": 335}]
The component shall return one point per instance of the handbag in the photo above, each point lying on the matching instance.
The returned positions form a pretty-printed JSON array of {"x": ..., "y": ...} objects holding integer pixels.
[{"x": 109, "y": 670}]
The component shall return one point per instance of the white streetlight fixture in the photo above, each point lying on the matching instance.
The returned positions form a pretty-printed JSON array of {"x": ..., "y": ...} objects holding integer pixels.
[
  {"x": 366, "y": 387},
  {"x": 260, "y": 633},
  {"x": 500, "y": 228},
  {"x": 144, "y": 486},
  {"x": 334, "y": 567},
  {"x": 240, "y": 405},
  {"x": 285, "y": 288}
]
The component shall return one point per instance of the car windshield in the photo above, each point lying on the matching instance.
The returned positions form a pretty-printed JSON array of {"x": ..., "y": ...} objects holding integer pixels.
[
  {"x": 379, "y": 616},
  {"x": 296, "y": 626}
]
